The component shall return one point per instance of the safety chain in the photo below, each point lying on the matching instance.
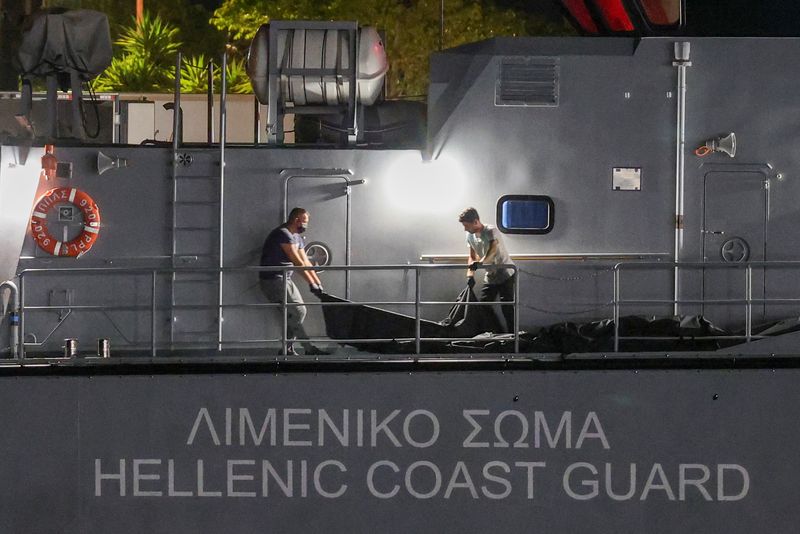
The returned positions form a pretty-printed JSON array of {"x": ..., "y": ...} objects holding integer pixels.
[
  {"x": 579, "y": 312},
  {"x": 594, "y": 274}
]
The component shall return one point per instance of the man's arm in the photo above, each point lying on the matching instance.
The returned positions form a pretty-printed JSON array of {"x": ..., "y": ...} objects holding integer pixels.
[
  {"x": 302, "y": 253},
  {"x": 473, "y": 257},
  {"x": 294, "y": 255}
]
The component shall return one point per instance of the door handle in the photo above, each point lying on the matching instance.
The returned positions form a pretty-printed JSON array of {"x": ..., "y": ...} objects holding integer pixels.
[{"x": 714, "y": 232}]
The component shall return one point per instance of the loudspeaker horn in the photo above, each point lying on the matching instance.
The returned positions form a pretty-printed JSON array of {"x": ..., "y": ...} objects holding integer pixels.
[
  {"x": 105, "y": 163},
  {"x": 726, "y": 145}
]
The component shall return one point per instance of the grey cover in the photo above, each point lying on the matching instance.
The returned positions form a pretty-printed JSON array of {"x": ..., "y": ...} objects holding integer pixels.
[{"x": 75, "y": 41}]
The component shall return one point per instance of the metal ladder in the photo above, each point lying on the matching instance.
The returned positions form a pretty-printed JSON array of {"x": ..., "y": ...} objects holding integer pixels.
[{"x": 197, "y": 224}]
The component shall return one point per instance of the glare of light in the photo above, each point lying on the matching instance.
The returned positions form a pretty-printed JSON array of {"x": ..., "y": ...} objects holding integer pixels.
[{"x": 416, "y": 186}]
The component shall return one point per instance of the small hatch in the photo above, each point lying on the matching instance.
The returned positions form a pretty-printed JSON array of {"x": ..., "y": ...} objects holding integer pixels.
[{"x": 529, "y": 81}]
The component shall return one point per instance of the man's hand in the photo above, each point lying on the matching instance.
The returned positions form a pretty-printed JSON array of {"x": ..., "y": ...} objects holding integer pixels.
[
  {"x": 471, "y": 281},
  {"x": 475, "y": 265},
  {"x": 316, "y": 289}
]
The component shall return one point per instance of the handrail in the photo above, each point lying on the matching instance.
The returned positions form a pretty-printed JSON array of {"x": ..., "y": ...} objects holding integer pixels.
[
  {"x": 748, "y": 300},
  {"x": 552, "y": 256},
  {"x": 284, "y": 305}
]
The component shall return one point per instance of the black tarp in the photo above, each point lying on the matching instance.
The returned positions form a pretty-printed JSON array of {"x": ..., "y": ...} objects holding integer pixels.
[
  {"x": 74, "y": 42},
  {"x": 681, "y": 333}
]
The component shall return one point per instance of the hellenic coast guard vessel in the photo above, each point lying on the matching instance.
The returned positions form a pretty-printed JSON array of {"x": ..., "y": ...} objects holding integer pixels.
[{"x": 645, "y": 183}]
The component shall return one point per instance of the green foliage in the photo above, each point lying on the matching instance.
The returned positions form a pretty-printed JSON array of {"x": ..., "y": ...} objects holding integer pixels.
[
  {"x": 188, "y": 15},
  {"x": 194, "y": 76},
  {"x": 152, "y": 38},
  {"x": 132, "y": 73},
  {"x": 237, "y": 79},
  {"x": 148, "y": 51},
  {"x": 411, "y": 27}
]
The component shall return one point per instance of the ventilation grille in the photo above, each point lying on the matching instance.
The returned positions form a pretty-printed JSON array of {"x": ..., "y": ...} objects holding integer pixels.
[{"x": 527, "y": 82}]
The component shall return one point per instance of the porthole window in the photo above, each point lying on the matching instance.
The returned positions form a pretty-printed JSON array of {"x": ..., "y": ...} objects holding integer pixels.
[{"x": 525, "y": 214}]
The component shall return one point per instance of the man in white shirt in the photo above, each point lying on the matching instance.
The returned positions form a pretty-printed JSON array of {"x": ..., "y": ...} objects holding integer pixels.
[{"x": 486, "y": 250}]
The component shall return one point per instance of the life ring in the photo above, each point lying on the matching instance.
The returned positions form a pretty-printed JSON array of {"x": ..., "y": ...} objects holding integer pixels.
[{"x": 91, "y": 222}]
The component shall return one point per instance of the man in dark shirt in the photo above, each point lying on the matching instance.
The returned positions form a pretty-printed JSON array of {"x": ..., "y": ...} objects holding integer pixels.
[{"x": 285, "y": 247}]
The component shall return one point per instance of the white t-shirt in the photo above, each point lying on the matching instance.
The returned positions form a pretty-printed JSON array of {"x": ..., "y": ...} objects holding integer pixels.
[{"x": 479, "y": 242}]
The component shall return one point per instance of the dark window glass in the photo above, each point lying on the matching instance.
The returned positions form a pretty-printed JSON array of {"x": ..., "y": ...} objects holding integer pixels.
[{"x": 525, "y": 214}]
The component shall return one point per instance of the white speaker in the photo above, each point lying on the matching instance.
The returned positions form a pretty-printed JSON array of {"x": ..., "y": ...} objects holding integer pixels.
[
  {"x": 105, "y": 163},
  {"x": 726, "y": 145}
]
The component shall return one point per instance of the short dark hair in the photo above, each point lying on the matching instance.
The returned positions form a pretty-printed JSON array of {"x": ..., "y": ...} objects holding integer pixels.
[
  {"x": 469, "y": 215},
  {"x": 295, "y": 213}
]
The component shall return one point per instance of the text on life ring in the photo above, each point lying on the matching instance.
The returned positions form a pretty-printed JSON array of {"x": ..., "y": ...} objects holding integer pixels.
[{"x": 91, "y": 222}]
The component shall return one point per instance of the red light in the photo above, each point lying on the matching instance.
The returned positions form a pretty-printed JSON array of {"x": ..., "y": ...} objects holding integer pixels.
[
  {"x": 578, "y": 9},
  {"x": 615, "y": 16}
]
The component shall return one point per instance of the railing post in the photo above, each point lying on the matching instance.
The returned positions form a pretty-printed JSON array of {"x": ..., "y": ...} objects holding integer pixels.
[
  {"x": 284, "y": 329},
  {"x": 748, "y": 289},
  {"x": 153, "y": 317},
  {"x": 516, "y": 310},
  {"x": 417, "y": 329},
  {"x": 616, "y": 307},
  {"x": 21, "y": 341}
]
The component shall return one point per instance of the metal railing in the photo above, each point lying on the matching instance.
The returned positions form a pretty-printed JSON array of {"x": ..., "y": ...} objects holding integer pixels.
[
  {"x": 153, "y": 308},
  {"x": 746, "y": 302}
]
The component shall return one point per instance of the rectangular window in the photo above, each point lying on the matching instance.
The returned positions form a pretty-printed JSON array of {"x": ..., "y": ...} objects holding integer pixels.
[{"x": 525, "y": 214}]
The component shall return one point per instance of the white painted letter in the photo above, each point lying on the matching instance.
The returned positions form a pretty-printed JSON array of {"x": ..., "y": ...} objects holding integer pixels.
[
  {"x": 721, "y": 468},
  {"x": 529, "y": 468},
  {"x": 597, "y": 434},
  {"x": 288, "y": 427},
  {"x": 203, "y": 415},
  {"x": 318, "y": 475},
  {"x": 434, "y": 430},
  {"x": 588, "y": 483},
  {"x": 371, "y": 481},
  {"x": 476, "y": 429},
  {"x": 651, "y": 485},
  {"x": 233, "y": 477},
  {"x": 245, "y": 422},
  {"x": 494, "y": 478},
  {"x": 137, "y": 476},
  {"x": 698, "y": 483},
  {"x": 99, "y": 476}
]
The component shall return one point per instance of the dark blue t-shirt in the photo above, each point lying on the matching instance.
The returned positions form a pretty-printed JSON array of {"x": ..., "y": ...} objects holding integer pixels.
[{"x": 272, "y": 254}]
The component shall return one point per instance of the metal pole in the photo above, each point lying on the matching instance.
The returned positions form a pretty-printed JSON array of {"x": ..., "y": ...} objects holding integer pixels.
[
  {"x": 176, "y": 112},
  {"x": 616, "y": 308},
  {"x": 210, "y": 104},
  {"x": 441, "y": 25},
  {"x": 256, "y": 122},
  {"x": 516, "y": 310},
  {"x": 347, "y": 237},
  {"x": 153, "y": 318},
  {"x": 748, "y": 318},
  {"x": 417, "y": 329},
  {"x": 21, "y": 351},
  {"x": 682, "y": 52},
  {"x": 284, "y": 330},
  {"x": 223, "y": 112}
]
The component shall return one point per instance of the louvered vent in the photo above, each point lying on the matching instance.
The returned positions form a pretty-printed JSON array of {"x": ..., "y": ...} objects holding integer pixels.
[{"x": 527, "y": 82}]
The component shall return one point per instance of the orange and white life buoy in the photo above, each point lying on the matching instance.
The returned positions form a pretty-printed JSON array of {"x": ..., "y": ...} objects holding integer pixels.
[{"x": 91, "y": 222}]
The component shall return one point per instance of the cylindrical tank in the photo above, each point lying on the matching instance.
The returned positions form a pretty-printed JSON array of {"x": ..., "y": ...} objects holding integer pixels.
[{"x": 318, "y": 49}]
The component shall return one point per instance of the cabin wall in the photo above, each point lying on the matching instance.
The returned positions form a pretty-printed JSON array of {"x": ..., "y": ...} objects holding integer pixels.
[{"x": 617, "y": 108}]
